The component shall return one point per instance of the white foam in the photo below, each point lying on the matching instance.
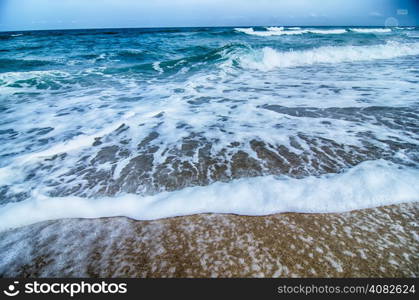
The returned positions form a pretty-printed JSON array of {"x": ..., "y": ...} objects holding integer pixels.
[
  {"x": 370, "y": 184},
  {"x": 275, "y": 28},
  {"x": 274, "y": 59},
  {"x": 327, "y": 31},
  {"x": 156, "y": 66},
  {"x": 251, "y": 31},
  {"x": 11, "y": 77},
  {"x": 272, "y": 31},
  {"x": 74, "y": 144},
  {"x": 370, "y": 30},
  {"x": 6, "y": 175},
  {"x": 405, "y": 28}
]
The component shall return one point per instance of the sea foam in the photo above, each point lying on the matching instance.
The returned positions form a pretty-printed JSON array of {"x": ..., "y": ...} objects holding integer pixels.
[
  {"x": 370, "y": 30},
  {"x": 370, "y": 184},
  {"x": 272, "y": 31},
  {"x": 271, "y": 58}
]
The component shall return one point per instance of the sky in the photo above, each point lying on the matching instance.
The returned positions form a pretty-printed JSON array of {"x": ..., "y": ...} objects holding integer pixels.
[{"x": 80, "y": 14}]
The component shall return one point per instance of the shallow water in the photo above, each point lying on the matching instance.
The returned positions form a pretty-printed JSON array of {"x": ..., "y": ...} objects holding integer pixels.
[{"x": 160, "y": 122}]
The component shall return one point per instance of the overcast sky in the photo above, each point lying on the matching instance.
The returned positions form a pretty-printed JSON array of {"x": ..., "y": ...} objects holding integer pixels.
[{"x": 66, "y": 14}]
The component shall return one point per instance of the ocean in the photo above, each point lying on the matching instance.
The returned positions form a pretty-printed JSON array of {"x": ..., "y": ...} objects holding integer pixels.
[{"x": 155, "y": 123}]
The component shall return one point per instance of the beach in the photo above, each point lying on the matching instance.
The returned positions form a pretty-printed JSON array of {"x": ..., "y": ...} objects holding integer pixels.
[
  {"x": 378, "y": 242},
  {"x": 265, "y": 151}
]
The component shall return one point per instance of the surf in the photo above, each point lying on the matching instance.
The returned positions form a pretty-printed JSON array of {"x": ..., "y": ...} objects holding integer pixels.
[{"x": 269, "y": 58}]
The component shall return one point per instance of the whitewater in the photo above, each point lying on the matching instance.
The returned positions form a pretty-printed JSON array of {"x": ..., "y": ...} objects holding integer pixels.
[{"x": 155, "y": 123}]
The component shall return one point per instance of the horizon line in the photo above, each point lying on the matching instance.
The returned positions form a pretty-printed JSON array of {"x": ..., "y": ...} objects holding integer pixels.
[{"x": 220, "y": 26}]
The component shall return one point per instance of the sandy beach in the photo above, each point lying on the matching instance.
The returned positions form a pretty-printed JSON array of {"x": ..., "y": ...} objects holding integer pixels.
[{"x": 378, "y": 242}]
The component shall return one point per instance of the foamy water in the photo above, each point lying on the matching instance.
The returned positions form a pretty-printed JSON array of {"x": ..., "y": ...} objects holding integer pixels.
[{"x": 160, "y": 123}]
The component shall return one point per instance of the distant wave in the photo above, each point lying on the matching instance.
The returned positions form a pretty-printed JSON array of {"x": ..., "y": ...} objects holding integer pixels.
[
  {"x": 272, "y": 31},
  {"x": 211, "y": 56},
  {"x": 298, "y": 30},
  {"x": 273, "y": 59},
  {"x": 405, "y": 28},
  {"x": 22, "y": 64},
  {"x": 241, "y": 55},
  {"x": 370, "y": 30},
  {"x": 5, "y": 36},
  {"x": 327, "y": 31},
  {"x": 132, "y": 54},
  {"x": 275, "y": 28}
]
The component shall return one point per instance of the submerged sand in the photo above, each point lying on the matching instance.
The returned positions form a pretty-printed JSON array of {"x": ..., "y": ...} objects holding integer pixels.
[{"x": 378, "y": 242}]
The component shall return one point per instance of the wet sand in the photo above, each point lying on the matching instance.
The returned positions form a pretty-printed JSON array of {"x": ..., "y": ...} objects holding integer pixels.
[{"x": 378, "y": 242}]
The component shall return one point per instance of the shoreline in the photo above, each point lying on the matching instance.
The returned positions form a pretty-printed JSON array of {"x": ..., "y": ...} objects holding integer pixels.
[{"x": 375, "y": 242}]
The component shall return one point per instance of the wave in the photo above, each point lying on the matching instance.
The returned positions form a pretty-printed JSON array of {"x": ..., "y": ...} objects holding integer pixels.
[
  {"x": 130, "y": 55},
  {"x": 22, "y": 64},
  {"x": 51, "y": 79},
  {"x": 5, "y": 37},
  {"x": 275, "y": 28},
  {"x": 327, "y": 31},
  {"x": 210, "y": 57},
  {"x": 298, "y": 30},
  {"x": 271, "y": 58},
  {"x": 405, "y": 28},
  {"x": 272, "y": 31},
  {"x": 251, "y": 31},
  {"x": 369, "y": 184},
  {"x": 370, "y": 30},
  {"x": 156, "y": 67}
]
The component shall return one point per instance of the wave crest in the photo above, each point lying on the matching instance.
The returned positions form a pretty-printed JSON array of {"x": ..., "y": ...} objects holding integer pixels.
[
  {"x": 370, "y": 30},
  {"x": 271, "y": 58},
  {"x": 272, "y": 31}
]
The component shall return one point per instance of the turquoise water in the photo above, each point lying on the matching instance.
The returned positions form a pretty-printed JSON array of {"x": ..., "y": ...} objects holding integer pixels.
[{"x": 176, "y": 113}]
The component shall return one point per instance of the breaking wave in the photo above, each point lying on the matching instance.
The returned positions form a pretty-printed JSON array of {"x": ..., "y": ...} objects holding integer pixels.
[
  {"x": 370, "y": 30},
  {"x": 271, "y": 58},
  {"x": 272, "y": 31}
]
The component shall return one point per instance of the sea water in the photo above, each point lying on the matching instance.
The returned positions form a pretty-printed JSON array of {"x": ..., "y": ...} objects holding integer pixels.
[{"x": 153, "y": 123}]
